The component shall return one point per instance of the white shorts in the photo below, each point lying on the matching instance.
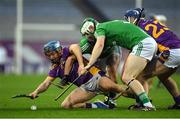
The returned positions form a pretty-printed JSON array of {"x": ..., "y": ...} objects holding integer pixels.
[
  {"x": 173, "y": 60},
  {"x": 92, "y": 85},
  {"x": 147, "y": 48}
]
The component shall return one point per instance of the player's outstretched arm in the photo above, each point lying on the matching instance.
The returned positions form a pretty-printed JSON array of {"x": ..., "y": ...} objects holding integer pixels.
[{"x": 42, "y": 87}]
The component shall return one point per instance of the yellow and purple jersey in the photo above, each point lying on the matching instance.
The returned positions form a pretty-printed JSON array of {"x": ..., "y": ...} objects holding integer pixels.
[
  {"x": 58, "y": 70},
  {"x": 164, "y": 37}
]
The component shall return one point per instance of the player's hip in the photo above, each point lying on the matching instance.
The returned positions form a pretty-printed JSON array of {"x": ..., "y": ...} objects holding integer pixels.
[
  {"x": 93, "y": 84},
  {"x": 170, "y": 58},
  {"x": 147, "y": 48}
]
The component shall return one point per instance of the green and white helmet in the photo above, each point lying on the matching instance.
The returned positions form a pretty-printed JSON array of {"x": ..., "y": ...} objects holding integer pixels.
[{"x": 85, "y": 27}]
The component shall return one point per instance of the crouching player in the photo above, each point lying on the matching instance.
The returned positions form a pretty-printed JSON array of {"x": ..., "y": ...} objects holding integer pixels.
[{"x": 65, "y": 66}]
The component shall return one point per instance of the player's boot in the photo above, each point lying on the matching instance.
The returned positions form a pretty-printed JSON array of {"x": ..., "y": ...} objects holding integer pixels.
[
  {"x": 146, "y": 108},
  {"x": 135, "y": 106},
  {"x": 140, "y": 107},
  {"x": 109, "y": 101},
  {"x": 101, "y": 104},
  {"x": 175, "y": 106}
]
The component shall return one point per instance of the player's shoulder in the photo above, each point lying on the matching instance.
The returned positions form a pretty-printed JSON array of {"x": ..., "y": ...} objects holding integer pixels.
[
  {"x": 83, "y": 41},
  {"x": 65, "y": 50},
  {"x": 53, "y": 66},
  {"x": 105, "y": 24}
]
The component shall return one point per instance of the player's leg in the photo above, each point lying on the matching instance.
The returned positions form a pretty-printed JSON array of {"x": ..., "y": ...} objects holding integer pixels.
[
  {"x": 135, "y": 64},
  {"x": 145, "y": 84},
  {"x": 77, "y": 98},
  {"x": 170, "y": 84},
  {"x": 107, "y": 85},
  {"x": 156, "y": 68},
  {"x": 172, "y": 87},
  {"x": 87, "y": 91},
  {"x": 113, "y": 63},
  {"x": 153, "y": 68},
  {"x": 172, "y": 63},
  {"x": 110, "y": 87},
  {"x": 131, "y": 71},
  {"x": 164, "y": 69},
  {"x": 112, "y": 70}
]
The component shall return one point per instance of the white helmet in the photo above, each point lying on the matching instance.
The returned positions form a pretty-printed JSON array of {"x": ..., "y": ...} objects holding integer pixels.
[{"x": 87, "y": 23}]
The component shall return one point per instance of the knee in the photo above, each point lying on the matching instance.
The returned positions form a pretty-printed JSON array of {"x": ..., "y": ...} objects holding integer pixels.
[
  {"x": 126, "y": 78},
  {"x": 66, "y": 105}
]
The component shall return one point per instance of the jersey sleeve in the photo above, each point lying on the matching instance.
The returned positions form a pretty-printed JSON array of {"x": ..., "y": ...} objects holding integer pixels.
[
  {"x": 85, "y": 46},
  {"x": 53, "y": 71},
  {"x": 100, "y": 31}
]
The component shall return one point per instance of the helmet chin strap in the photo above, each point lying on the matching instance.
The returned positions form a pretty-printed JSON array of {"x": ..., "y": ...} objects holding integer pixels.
[
  {"x": 129, "y": 19},
  {"x": 134, "y": 22}
]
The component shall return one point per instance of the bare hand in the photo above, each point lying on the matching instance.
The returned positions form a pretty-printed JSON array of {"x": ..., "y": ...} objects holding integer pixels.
[
  {"x": 33, "y": 94},
  {"x": 85, "y": 69},
  {"x": 80, "y": 69}
]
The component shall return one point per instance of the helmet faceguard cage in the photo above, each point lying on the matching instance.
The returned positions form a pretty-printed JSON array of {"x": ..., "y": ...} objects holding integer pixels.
[{"x": 86, "y": 24}]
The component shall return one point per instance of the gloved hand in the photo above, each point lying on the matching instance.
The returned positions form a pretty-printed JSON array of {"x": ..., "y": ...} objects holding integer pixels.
[{"x": 64, "y": 80}]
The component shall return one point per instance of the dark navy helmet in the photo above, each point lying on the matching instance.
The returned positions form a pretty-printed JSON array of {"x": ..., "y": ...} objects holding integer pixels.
[
  {"x": 51, "y": 47},
  {"x": 136, "y": 13}
]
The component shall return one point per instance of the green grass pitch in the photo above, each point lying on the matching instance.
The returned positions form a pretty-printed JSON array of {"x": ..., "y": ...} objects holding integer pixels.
[{"x": 48, "y": 108}]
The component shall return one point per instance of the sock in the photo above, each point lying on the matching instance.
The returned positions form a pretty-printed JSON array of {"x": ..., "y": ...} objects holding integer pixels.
[
  {"x": 138, "y": 101},
  {"x": 177, "y": 99},
  {"x": 144, "y": 99},
  {"x": 96, "y": 105},
  {"x": 88, "y": 105}
]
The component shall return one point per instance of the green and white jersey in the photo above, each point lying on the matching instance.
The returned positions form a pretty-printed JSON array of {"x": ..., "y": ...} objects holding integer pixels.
[
  {"x": 88, "y": 45},
  {"x": 121, "y": 33}
]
